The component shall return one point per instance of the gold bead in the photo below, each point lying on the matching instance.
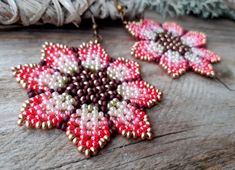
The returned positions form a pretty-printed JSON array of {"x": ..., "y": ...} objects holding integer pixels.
[
  {"x": 119, "y": 7},
  {"x": 27, "y": 124},
  {"x": 38, "y": 125},
  {"x": 94, "y": 26},
  {"x": 68, "y": 133},
  {"x": 44, "y": 125},
  {"x": 149, "y": 135},
  {"x": 134, "y": 135},
  {"x": 71, "y": 137},
  {"x": 20, "y": 122},
  {"x": 128, "y": 134},
  {"x": 143, "y": 135},
  {"x": 75, "y": 140},
  {"x": 94, "y": 151},
  {"x": 49, "y": 124},
  {"x": 123, "y": 133},
  {"x": 101, "y": 144},
  {"x": 21, "y": 116},
  {"x": 107, "y": 138},
  {"x": 80, "y": 148},
  {"x": 87, "y": 153}
]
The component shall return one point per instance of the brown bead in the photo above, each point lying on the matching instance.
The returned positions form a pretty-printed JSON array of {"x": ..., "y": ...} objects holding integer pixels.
[
  {"x": 103, "y": 109},
  {"x": 119, "y": 96},
  {"x": 42, "y": 63},
  {"x": 63, "y": 126},
  {"x": 40, "y": 91},
  {"x": 95, "y": 100},
  {"x": 104, "y": 102},
  {"x": 31, "y": 93},
  {"x": 58, "y": 125}
]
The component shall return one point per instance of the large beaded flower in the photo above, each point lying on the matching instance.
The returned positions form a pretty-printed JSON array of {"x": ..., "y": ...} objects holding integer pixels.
[
  {"x": 175, "y": 49},
  {"x": 86, "y": 93}
]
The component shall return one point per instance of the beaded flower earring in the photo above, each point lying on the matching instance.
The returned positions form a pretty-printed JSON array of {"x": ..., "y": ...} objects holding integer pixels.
[
  {"x": 86, "y": 93},
  {"x": 168, "y": 44}
]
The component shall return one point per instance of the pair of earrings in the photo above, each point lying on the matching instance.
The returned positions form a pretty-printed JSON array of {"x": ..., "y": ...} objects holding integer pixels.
[{"x": 93, "y": 96}]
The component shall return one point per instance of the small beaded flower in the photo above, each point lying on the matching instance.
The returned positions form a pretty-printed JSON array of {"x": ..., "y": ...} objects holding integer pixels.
[
  {"x": 86, "y": 93},
  {"x": 173, "y": 48}
]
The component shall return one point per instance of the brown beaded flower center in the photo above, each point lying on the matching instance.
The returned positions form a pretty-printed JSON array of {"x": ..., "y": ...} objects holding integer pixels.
[
  {"x": 170, "y": 42},
  {"x": 90, "y": 87}
]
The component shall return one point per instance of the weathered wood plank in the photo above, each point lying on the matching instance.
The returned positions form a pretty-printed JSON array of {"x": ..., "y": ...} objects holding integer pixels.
[{"x": 193, "y": 125}]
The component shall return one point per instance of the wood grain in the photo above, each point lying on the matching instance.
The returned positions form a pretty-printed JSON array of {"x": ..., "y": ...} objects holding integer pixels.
[{"x": 193, "y": 125}]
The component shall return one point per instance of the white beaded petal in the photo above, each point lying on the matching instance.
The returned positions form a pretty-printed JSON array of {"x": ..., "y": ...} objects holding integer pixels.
[
  {"x": 90, "y": 117},
  {"x": 128, "y": 91},
  {"x": 93, "y": 61},
  {"x": 120, "y": 110},
  {"x": 118, "y": 73},
  {"x": 57, "y": 103},
  {"x": 53, "y": 81},
  {"x": 154, "y": 47},
  {"x": 66, "y": 64},
  {"x": 151, "y": 32},
  {"x": 192, "y": 57},
  {"x": 173, "y": 56}
]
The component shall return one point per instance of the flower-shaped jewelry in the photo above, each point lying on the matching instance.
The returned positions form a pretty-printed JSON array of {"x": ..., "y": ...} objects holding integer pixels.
[
  {"x": 173, "y": 48},
  {"x": 86, "y": 93}
]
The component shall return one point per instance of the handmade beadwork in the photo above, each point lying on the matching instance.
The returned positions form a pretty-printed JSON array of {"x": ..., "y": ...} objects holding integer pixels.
[
  {"x": 86, "y": 93},
  {"x": 175, "y": 49}
]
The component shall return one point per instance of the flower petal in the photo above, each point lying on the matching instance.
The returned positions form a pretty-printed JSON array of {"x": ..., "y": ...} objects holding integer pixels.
[
  {"x": 93, "y": 56},
  {"x": 88, "y": 129},
  {"x": 173, "y": 63},
  {"x": 199, "y": 64},
  {"x": 36, "y": 77},
  {"x": 147, "y": 50},
  {"x": 130, "y": 121},
  {"x": 59, "y": 57},
  {"x": 46, "y": 110},
  {"x": 124, "y": 69},
  {"x": 173, "y": 28},
  {"x": 194, "y": 39},
  {"x": 206, "y": 54},
  {"x": 145, "y": 29},
  {"x": 139, "y": 92}
]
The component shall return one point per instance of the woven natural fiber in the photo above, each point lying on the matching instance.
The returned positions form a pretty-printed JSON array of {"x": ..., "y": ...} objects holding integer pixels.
[{"x": 60, "y": 12}]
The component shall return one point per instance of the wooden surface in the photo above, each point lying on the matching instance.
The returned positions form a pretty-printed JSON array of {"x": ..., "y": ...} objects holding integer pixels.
[{"x": 194, "y": 125}]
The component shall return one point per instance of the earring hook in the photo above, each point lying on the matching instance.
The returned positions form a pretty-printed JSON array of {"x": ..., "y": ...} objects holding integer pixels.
[
  {"x": 96, "y": 35},
  {"x": 121, "y": 9}
]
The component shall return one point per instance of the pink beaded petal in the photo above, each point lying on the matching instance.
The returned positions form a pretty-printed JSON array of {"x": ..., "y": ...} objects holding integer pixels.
[
  {"x": 93, "y": 56},
  {"x": 206, "y": 54},
  {"x": 59, "y": 57},
  {"x": 173, "y": 63},
  {"x": 37, "y": 77},
  {"x": 46, "y": 111},
  {"x": 199, "y": 64},
  {"x": 194, "y": 39},
  {"x": 88, "y": 130},
  {"x": 147, "y": 50},
  {"x": 124, "y": 69},
  {"x": 132, "y": 122},
  {"x": 145, "y": 29},
  {"x": 140, "y": 93},
  {"x": 173, "y": 28}
]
